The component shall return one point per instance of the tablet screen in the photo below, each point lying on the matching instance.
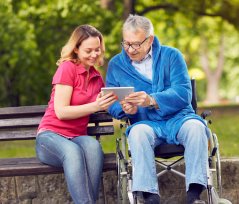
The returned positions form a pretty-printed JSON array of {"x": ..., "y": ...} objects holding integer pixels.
[{"x": 121, "y": 92}]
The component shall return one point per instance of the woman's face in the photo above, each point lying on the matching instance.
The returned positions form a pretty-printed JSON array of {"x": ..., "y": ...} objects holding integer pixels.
[{"x": 89, "y": 51}]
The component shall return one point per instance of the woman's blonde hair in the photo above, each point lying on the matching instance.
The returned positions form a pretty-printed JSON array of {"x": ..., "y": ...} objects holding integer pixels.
[{"x": 80, "y": 34}]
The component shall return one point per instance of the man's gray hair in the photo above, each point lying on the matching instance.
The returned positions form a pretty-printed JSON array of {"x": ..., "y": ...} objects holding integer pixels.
[{"x": 135, "y": 22}]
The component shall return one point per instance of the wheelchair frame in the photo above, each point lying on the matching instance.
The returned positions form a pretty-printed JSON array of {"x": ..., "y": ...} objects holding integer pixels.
[{"x": 124, "y": 165}]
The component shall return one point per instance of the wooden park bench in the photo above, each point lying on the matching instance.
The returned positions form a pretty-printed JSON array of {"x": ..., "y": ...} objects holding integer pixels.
[{"x": 20, "y": 123}]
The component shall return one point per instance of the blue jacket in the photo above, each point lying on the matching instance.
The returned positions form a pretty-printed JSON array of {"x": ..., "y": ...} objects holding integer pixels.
[{"x": 170, "y": 87}]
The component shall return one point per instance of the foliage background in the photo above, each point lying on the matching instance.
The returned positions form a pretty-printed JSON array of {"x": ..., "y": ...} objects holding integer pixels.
[{"x": 32, "y": 33}]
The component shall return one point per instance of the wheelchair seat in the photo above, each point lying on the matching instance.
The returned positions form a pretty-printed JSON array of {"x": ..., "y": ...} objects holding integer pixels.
[{"x": 167, "y": 151}]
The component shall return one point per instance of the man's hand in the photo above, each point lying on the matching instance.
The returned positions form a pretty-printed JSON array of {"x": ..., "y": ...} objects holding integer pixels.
[
  {"x": 129, "y": 108},
  {"x": 138, "y": 98}
]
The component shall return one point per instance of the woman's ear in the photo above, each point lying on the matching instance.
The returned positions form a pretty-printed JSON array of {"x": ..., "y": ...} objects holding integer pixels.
[{"x": 76, "y": 50}]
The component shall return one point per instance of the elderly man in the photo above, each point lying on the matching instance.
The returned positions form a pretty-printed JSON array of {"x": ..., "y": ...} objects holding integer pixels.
[{"x": 159, "y": 110}]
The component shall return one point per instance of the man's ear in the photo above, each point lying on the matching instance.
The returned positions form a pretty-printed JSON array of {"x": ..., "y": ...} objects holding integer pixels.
[{"x": 151, "y": 39}]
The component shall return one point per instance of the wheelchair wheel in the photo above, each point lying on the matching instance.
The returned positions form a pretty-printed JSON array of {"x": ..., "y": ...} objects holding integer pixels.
[
  {"x": 122, "y": 189},
  {"x": 214, "y": 183},
  {"x": 217, "y": 180},
  {"x": 224, "y": 201},
  {"x": 122, "y": 197}
]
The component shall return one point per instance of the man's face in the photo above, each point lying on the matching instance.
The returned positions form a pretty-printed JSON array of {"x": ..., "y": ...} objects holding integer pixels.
[{"x": 136, "y": 44}]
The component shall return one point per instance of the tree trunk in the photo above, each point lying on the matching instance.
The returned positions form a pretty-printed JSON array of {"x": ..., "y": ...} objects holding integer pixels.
[
  {"x": 129, "y": 8},
  {"x": 107, "y": 4},
  {"x": 212, "y": 95},
  {"x": 213, "y": 76}
]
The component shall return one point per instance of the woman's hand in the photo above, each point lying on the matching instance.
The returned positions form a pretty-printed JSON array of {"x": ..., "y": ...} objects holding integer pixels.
[
  {"x": 140, "y": 98},
  {"x": 104, "y": 101},
  {"x": 129, "y": 108}
]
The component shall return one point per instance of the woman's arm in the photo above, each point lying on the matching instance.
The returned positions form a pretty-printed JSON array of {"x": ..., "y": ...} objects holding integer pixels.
[{"x": 64, "y": 111}]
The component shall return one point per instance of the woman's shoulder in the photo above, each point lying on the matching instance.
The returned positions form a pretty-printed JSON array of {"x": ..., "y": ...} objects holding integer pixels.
[{"x": 67, "y": 64}]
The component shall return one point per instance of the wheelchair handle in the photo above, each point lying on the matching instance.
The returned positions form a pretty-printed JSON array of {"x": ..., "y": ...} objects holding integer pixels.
[{"x": 206, "y": 113}]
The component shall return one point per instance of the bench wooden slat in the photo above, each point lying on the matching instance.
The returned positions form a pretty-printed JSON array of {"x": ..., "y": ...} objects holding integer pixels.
[
  {"x": 20, "y": 122},
  {"x": 33, "y": 111},
  {"x": 101, "y": 130},
  {"x": 100, "y": 117},
  {"x": 30, "y": 133},
  {"x": 27, "y": 134},
  {"x": 12, "y": 112},
  {"x": 32, "y": 166},
  {"x": 34, "y": 121}
]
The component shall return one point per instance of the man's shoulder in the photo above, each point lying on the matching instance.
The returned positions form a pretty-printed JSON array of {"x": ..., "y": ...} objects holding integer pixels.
[
  {"x": 168, "y": 48},
  {"x": 115, "y": 59},
  {"x": 170, "y": 51}
]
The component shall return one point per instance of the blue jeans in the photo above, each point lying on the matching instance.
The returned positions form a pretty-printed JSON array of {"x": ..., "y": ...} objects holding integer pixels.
[
  {"x": 81, "y": 159},
  {"x": 193, "y": 135}
]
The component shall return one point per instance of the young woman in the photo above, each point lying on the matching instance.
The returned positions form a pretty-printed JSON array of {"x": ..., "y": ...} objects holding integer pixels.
[{"x": 62, "y": 139}]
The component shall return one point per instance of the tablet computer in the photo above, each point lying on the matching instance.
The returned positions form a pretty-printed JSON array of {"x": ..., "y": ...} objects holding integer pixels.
[{"x": 121, "y": 92}]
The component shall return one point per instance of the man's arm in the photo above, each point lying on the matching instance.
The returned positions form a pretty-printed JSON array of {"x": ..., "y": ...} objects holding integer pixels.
[{"x": 179, "y": 94}]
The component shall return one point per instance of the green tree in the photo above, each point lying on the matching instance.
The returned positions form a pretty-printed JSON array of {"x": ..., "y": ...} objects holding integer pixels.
[
  {"x": 18, "y": 56},
  {"x": 32, "y": 33}
]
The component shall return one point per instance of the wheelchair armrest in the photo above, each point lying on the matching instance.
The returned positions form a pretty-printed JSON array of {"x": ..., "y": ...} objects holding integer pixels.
[
  {"x": 206, "y": 113},
  {"x": 124, "y": 119},
  {"x": 124, "y": 122}
]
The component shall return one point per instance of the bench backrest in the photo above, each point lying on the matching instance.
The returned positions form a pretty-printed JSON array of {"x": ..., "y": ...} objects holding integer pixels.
[{"x": 20, "y": 123}]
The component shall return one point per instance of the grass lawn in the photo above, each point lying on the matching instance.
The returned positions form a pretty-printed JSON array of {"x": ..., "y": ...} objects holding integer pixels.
[
  {"x": 225, "y": 126},
  {"x": 227, "y": 129}
]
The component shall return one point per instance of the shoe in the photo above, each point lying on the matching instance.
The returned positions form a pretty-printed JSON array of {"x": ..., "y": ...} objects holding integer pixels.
[
  {"x": 151, "y": 198},
  {"x": 199, "y": 202},
  {"x": 193, "y": 194}
]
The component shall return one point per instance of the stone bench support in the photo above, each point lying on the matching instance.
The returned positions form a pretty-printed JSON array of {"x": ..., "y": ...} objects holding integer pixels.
[{"x": 51, "y": 189}]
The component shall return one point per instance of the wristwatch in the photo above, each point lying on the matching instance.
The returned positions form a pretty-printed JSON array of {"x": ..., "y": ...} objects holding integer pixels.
[{"x": 151, "y": 102}]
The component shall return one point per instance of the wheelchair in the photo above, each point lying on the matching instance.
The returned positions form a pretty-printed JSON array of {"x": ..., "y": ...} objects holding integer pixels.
[{"x": 163, "y": 155}]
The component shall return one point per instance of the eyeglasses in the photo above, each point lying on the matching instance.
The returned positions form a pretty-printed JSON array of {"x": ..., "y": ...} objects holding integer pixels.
[{"x": 135, "y": 46}]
